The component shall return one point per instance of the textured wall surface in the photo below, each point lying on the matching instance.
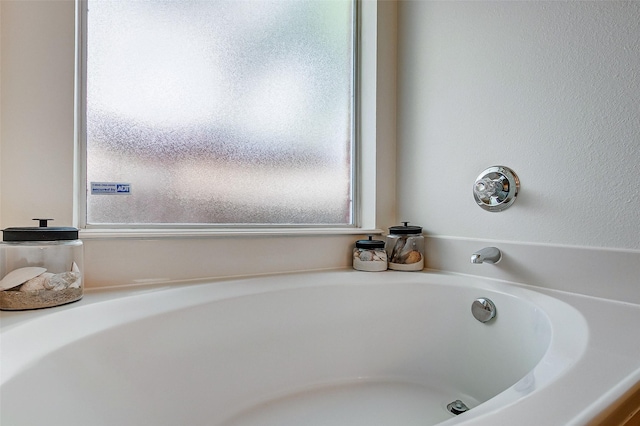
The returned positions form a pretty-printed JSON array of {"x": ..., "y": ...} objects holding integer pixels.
[{"x": 550, "y": 89}]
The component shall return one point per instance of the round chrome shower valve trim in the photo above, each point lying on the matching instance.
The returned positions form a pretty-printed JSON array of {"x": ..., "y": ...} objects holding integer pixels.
[{"x": 496, "y": 188}]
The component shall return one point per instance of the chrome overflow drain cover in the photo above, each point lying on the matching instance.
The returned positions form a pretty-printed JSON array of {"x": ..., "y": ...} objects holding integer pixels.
[
  {"x": 483, "y": 309},
  {"x": 457, "y": 407}
]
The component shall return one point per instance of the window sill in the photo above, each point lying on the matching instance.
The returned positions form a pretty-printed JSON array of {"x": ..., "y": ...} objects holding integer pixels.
[{"x": 189, "y": 233}]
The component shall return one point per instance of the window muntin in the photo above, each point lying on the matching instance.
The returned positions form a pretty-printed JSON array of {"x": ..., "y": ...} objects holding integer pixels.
[{"x": 220, "y": 112}]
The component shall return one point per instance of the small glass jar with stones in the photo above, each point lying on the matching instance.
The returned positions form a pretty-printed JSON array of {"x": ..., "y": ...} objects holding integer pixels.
[{"x": 369, "y": 255}]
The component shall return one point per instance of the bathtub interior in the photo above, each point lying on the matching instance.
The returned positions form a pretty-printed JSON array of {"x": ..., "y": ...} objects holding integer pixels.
[{"x": 227, "y": 361}]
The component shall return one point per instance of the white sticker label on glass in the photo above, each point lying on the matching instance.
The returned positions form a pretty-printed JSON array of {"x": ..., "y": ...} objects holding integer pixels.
[{"x": 110, "y": 188}]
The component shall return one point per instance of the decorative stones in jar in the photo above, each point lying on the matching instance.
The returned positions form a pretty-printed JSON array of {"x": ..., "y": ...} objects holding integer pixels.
[
  {"x": 405, "y": 248},
  {"x": 369, "y": 255},
  {"x": 40, "y": 267}
]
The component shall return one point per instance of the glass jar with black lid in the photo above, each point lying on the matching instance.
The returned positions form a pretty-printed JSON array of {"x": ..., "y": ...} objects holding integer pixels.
[
  {"x": 369, "y": 255},
  {"x": 40, "y": 267},
  {"x": 405, "y": 247}
]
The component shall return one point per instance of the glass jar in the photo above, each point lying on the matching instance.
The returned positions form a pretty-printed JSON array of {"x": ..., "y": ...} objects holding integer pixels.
[
  {"x": 405, "y": 248},
  {"x": 40, "y": 267},
  {"x": 369, "y": 255}
]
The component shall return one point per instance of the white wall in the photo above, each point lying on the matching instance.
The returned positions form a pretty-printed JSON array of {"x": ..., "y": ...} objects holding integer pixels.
[
  {"x": 550, "y": 89},
  {"x": 0, "y": 115},
  {"x": 37, "y": 111}
]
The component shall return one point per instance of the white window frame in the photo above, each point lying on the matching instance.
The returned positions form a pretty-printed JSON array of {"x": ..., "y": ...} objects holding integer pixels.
[{"x": 367, "y": 200}]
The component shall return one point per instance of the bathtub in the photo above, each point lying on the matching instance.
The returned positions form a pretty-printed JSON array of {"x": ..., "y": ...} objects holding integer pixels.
[{"x": 331, "y": 348}]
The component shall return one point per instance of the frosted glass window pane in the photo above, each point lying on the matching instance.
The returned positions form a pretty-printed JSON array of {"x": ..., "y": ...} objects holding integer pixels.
[{"x": 233, "y": 112}]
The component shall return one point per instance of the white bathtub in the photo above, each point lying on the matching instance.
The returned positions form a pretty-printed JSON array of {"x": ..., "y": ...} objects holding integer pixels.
[{"x": 333, "y": 348}]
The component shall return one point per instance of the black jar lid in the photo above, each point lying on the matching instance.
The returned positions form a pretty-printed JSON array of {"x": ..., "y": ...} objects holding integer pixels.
[
  {"x": 370, "y": 243},
  {"x": 405, "y": 229},
  {"x": 40, "y": 233}
]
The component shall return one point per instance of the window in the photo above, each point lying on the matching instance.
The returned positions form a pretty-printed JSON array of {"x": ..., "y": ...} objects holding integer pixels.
[{"x": 219, "y": 112}]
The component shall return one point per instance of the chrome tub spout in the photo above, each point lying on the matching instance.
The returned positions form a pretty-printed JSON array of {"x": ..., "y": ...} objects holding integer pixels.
[{"x": 487, "y": 255}]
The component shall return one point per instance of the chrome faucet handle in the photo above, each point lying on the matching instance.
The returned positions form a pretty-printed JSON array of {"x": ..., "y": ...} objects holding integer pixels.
[
  {"x": 486, "y": 188},
  {"x": 496, "y": 188}
]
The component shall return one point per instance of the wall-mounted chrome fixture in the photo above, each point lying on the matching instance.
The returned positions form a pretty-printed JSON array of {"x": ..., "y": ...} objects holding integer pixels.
[
  {"x": 496, "y": 188},
  {"x": 487, "y": 255}
]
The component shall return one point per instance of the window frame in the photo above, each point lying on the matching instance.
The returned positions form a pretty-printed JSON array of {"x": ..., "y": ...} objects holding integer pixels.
[{"x": 364, "y": 134}]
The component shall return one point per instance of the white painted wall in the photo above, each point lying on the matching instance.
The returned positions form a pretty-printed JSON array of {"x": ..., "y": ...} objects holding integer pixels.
[
  {"x": 550, "y": 89},
  {"x": 37, "y": 111},
  {"x": 0, "y": 115}
]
